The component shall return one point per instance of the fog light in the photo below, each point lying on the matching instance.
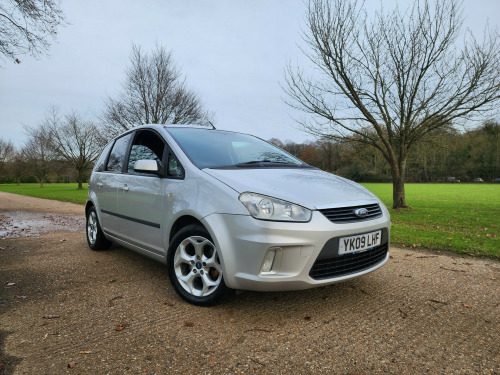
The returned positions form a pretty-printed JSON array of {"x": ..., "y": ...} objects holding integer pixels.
[{"x": 267, "y": 265}]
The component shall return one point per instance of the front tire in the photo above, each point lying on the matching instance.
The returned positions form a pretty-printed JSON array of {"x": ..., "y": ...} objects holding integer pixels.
[
  {"x": 95, "y": 236},
  {"x": 194, "y": 266}
]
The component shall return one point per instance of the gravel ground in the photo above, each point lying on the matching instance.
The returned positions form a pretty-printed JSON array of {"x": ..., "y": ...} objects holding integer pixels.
[
  {"x": 28, "y": 224},
  {"x": 67, "y": 309}
]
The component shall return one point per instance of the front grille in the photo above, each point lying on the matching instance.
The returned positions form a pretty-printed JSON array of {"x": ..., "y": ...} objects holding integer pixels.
[
  {"x": 347, "y": 215},
  {"x": 348, "y": 263}
]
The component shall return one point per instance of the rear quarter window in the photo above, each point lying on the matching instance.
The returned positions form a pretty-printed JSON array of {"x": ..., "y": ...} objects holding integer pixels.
[
  {"x": 99, "y": 165},
  {"x": 118, "y": 154}
]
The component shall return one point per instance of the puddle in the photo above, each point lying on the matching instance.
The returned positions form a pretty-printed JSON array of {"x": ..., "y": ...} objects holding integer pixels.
[{"x": 29, "y": 224}]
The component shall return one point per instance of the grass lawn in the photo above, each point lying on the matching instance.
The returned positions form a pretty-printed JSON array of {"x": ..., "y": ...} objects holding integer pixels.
[
  {"x": 464, "y": 218},
  {"x": 60, "y": 192}
]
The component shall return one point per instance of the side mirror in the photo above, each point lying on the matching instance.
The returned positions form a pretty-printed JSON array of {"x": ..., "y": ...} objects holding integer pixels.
[{"x": 146, "y": 166}]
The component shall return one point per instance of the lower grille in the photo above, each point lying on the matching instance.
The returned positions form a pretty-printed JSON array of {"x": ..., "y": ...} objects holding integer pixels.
[{"x": 348, "y": 264}]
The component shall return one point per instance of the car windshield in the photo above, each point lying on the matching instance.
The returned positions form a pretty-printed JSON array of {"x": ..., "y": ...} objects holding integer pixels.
[{"x": 208, "y": 148}]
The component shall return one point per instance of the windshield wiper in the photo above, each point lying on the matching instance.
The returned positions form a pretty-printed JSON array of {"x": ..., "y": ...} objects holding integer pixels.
[
  {"x": 269, "y": 163},
  {"x": 256, "y": 162}
]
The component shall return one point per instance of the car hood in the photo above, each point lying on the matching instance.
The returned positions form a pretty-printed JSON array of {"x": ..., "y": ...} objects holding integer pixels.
[{"x": 311, "y": 188}]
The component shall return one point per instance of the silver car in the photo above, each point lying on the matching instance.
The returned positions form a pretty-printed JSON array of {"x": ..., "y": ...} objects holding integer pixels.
[{"x": 226, "y": 210}]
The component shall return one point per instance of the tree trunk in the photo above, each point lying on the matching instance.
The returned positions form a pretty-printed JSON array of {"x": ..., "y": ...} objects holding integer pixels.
[
  {"x": 80, "y": 179},
  {"x": 398, "y": 192},
  {"x": 398, "y": 170},
  {"x": 426, "y": 172}
]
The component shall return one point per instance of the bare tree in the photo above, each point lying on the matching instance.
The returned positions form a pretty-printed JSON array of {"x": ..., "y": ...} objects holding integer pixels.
[
  {"x": 74, "y": 139},
  {"x": 38, "y": 152},
  {"x": 7, "y": 152},
  {"x": 17, "y": 166},
  {"x": 277, "y": 142},
  {"x": 390, "y": 80},
  {"x": 28, "y": 26},
  {"x": 328, "y": 149},
  {"x": 154, "y": 92}
]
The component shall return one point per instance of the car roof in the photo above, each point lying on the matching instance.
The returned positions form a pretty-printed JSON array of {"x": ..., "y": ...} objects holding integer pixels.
[
  {"x": 188, "y": 126},
  {"x": 173, "y": 126}
]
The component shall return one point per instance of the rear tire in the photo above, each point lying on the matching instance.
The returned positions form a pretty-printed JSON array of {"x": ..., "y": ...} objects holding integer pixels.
[
  {"x": 95, "y": 236},
  {"x": 194, "y": 267}
]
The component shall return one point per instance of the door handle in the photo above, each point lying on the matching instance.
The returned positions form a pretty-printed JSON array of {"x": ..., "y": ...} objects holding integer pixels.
[
  {"x": 125, "y": 188},
  {"x": 99, "y": 184}
]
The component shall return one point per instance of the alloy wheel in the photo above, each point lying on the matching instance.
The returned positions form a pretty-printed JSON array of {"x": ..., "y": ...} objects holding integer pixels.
[
  {"x": 197, "y": 266},
  {"x": 92, "y": 227}
]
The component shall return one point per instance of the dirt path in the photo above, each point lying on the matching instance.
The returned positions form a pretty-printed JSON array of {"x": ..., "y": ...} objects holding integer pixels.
[
  {"x": 15, "y": 202},
  {"x": 115, "y": 312}
]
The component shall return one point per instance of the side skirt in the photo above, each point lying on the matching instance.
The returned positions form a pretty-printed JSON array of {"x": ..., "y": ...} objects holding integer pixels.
[{"x": 158, "y": 257}]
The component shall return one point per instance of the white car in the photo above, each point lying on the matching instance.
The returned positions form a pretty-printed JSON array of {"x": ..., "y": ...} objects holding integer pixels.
[{"x": 229, "y": 210}]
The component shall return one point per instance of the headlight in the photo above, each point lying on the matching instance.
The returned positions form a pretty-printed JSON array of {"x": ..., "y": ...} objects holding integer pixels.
[{"x": 267, "y": 208}]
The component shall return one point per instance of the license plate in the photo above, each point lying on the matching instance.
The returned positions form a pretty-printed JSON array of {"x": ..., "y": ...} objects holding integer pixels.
[{"x": 360, "y": 242}]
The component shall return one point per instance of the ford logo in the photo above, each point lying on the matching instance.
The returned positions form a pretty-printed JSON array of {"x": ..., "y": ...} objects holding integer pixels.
[{"x": 361, "y": 212}]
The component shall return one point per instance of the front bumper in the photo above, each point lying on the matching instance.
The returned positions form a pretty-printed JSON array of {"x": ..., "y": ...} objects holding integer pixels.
[{"x": 243, "y": 243}]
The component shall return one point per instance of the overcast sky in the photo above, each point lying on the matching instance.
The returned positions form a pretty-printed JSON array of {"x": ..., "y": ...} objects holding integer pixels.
[{"x": 232, "y": 52}]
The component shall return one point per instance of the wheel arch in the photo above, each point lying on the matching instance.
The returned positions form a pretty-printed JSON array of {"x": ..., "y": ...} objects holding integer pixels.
[
  {"x": 188, "y": 219},
  {"x": 87, "y": 206},
  {"x": 180, "y": 223}
]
